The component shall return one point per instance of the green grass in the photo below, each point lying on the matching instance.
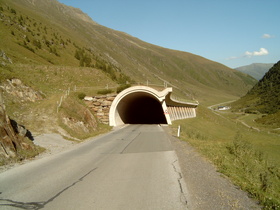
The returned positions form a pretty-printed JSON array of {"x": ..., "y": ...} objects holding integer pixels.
[
  {"x": 52, "y": 69},
  {"x": 51, "y": 79},
  {"x": 112, "y": 51},
  {"x": 53, "y": 82},
  {"x": 248, "y": 157},
  {"x": 76, "y": 111}
]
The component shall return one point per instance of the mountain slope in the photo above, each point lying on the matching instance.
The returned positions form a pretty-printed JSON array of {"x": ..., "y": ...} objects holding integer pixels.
[
  {"x": 47, "y": 32},
  {"x": 256, "y": 70},
  {"x": 264, "y": 97}
]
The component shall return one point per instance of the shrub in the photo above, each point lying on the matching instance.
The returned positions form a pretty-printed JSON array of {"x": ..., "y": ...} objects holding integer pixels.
[
  {"x": 13, "y": 11},
  {"x": 26, "y": 46},
  {"x": 37, "y": 43},
  {"x": 53, "y": 51},
  {"x": 81, "y": 96},
  {"x": 123, "y": 87},
  {"x": 105, "y": 91}
]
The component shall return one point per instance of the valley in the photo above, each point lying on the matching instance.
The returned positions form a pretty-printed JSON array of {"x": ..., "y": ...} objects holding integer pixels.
[{"x": 52, "y": 56}]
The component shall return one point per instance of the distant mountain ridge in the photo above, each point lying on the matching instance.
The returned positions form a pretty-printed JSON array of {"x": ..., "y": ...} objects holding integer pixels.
[
  {"x": 50, "y": 33},
  {"x": 256, "y": 70}
]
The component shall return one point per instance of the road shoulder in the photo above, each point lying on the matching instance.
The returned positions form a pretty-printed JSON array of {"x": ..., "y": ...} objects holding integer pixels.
[{"x": 208, "y": 189}]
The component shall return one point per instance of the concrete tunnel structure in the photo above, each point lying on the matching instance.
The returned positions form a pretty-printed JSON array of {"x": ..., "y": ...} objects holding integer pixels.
[{"x": 145, "y": 105}]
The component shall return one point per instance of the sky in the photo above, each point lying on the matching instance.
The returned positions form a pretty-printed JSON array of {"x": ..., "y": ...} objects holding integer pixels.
[{"x": 232, "y": 32}]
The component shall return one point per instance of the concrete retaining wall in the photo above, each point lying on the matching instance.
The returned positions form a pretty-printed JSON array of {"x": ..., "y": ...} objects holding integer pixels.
[{"x": 179, "y": 113}]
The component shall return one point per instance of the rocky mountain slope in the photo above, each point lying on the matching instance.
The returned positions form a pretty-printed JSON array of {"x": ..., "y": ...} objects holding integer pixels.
[{"x": 256, "y": 70}]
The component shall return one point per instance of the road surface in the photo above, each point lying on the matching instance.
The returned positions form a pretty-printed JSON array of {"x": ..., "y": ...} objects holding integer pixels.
[{"x": 131, "y": 168}]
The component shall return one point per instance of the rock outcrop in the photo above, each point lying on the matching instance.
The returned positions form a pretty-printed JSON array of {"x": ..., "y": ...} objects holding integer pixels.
[
  {"x": 4, "y": 59},
  {"x": 17, "y": 89},
  {"x": 12, "y": 136}
]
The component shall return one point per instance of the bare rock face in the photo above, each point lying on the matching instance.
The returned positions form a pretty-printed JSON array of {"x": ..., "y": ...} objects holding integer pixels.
[
  {"x": 4, "y": 59},
  {"x": 12, "y": 135},
  {"x": 20, "y": 91},
  {"x": 8, "y": 140}
]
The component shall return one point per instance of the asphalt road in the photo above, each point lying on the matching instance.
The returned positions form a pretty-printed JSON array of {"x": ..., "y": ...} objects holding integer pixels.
[{"x": 131, "y": 168}]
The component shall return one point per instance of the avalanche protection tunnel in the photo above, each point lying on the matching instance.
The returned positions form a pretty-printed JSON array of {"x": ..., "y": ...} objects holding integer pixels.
[
  {"x": 138, "y": 105},
  {"x": 145, "y": 105}
]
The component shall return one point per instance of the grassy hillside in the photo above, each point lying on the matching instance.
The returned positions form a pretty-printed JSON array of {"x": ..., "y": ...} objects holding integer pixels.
[
  {"x": 30, "y": 37},
  {"x": 247, "y": 155},
  {"x": 264, "y": 98},
  {"x": 50, "y": 33},
  {"x": 53, "y": 48},
  {"x": 43, "y": 116},
  {"x": 256, "y": 70}
]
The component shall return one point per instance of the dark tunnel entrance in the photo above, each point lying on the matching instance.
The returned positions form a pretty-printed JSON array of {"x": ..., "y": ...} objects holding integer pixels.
[{"x": 141, "y": 108}]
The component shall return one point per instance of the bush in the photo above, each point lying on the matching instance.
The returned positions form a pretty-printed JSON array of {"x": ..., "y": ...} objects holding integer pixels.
[
  {"x": 81, "y": 96},
  {"x": 26, "y": 46},
  {"x": 105, "y": 91},
  {"x": 53, "y": 51},
  {"x": 37, "y": 43},
  {"x": 13, "y": 11},
  {"x": 123, "y": 87},
  {"x": 251, "y": 111}
]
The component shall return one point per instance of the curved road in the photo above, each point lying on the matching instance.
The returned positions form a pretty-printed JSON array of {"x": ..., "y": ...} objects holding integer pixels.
[{"x": 131, "y": 168}]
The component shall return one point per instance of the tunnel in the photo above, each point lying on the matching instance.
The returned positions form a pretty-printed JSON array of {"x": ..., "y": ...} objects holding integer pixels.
[
  {"x": 139, "y": 105},
  {"x": 146, "y": 105},
  {"x": 141, "y": 108}
]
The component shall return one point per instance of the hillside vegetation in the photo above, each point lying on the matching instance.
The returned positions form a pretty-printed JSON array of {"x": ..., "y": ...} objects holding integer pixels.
[
  {"x": 256, "y": 70},
  {"x": 264, "y": 98},
  {"x": 249, "y": 157},
  {"x": 59, "y": 53},
  {"x": 50, "y": 33},
  {"x": 52, "y": 47}
]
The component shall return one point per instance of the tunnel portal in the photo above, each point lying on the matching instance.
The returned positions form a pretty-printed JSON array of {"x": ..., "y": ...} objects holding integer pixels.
[
  {"x": 145, "y": 105},
  {"x": 139, "y": 105},
  {"x": 141, "y": 108}
]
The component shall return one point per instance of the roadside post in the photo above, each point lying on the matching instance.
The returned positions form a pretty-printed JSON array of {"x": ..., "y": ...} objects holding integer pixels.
[{"x": 178, "y": 133}]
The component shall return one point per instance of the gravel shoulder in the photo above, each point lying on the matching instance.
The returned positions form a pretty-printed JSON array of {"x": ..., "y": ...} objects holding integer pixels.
[
  {"x": 206, "y": 188},
  {"x": 53, "y": 143}
]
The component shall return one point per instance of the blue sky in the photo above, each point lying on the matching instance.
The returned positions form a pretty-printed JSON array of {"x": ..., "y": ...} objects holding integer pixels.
[{"x": 232, "y": 32}]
